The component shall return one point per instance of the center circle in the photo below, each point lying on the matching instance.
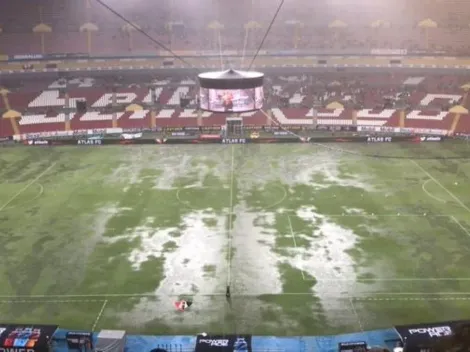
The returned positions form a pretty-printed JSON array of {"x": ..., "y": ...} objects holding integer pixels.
[
  {"x": 203, "y": 197},
  {"x": 267, "y": 197}
]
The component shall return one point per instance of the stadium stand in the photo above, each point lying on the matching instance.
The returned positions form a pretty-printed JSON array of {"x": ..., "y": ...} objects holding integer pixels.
[
  {"x": 342, "y": 99},
  {"x": 84, "y": 26}
]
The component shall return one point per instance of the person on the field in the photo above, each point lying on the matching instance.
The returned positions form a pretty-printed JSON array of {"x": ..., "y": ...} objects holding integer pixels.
[{"x": 183, "y": 305}]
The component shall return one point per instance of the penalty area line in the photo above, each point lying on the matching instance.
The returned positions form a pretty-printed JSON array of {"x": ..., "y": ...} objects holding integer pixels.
[
  {"x": 99, "y": 315},
  {"x": 467, "y": 232},
  {"x": 27, "y": 186},
  {"x": 442, "y": 186},
  {"x": 359, "y": 322}
]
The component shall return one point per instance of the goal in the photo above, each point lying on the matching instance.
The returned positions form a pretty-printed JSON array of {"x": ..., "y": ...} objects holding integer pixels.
[{"x": 233, "y": 126}]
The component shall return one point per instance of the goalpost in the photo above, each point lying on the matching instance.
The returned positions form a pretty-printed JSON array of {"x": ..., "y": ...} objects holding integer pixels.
[{"x": 233, "y": 127}]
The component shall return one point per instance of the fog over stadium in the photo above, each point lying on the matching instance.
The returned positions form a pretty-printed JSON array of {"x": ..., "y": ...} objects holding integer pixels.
[{"x": 233, "y": 25}]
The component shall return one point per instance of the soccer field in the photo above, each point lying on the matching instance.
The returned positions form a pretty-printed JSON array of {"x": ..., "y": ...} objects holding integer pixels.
[{"x": 312, "y": 239}]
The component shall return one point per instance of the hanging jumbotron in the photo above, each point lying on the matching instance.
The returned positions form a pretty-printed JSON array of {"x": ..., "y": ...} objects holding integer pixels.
[{"x": 231, "y": 91}]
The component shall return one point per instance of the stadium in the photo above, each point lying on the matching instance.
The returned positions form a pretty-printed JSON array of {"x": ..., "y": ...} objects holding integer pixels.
[{"x": 234, "y": 176}]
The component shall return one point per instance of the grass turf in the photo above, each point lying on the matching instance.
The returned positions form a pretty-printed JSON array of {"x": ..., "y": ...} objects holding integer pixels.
[{"x": 312, "y": 240}]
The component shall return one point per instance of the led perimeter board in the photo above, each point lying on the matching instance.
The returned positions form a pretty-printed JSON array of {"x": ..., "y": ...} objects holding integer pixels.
[{"x": 231, "y": 91}]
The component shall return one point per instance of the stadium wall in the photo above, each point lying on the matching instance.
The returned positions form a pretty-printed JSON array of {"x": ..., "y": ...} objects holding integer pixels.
[{"x": 139, "y": 343}]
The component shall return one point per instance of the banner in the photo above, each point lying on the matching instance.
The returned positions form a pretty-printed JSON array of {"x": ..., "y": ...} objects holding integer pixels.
[
  {"x": 431, "y": 139},
  {"x": 210, "y": 136},
  {"x": 28, "y": 57},
  {"x": 427, "y": 52},
  {"x": 26, "y": 338},
  {"x": 90, "y": 142},
  {"x": 4, "y": 58},
  {"x": 67, "y": 56},
  {"x": 216, "y": 139},
  {"x": 419, "y": 336},
  {"x": 352, "y": 346},
  {"x": 389, "y": 52},
  {"x": 131, "y": 135},
  {"x": 386, "y": 129},
  {"x": 36, "y": 142},
  {"x": 220, "y": 343},
  {"x": 233, "y": 141},
  {"x": 379, "y": 139}
]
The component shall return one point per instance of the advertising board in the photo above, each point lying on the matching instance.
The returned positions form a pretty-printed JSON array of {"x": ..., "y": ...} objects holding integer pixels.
[{"x": 26, "y": 338}]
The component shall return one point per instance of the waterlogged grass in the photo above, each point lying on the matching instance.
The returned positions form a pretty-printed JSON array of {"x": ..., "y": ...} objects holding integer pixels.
[{"x": 74, "y": 222}]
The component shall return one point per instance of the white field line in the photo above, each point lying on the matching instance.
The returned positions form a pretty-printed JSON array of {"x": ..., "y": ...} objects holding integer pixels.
[
  {"x": 442, "y": 186},
  {"x": 359, "y": 322},
  {"x": 295, "y": 242},
  {"x": 27, "y": 186},
  {"x": 447, "y": 293},
  {"x": 52, "y": 301},
  {"x": 397, "y": 215},
  {"x": 460, "y": 225},
  {"x": 430, "y": 195},
  {"x": 230, "y": 217},
  {"x": 99, "y": 315},
  {"x": 425, "y": 279},
  {"x": 398, "y": 296},
  {"x": 413, "y": 299}
]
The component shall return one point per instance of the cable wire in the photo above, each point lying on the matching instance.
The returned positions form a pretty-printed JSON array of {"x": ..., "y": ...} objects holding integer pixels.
[
  {"x": 265, "y": 34},
  {"x": 140, "y": 30}
]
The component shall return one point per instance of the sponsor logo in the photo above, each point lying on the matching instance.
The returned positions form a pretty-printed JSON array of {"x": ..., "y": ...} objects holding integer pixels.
[
  {"x": 379, "y": 139},
  {"x": 178, "y": 134},
  {"x": 210, "y": 136},
  {"x": 281, "y": 133},
  {"x": 89, "y": 142},
  {"x": 355, "y": 343},
  {"x": 240, "y": 345},
  {"x": 437, "y": 331},
  {"x": 430, "y": 139},
  {"x": 25, "y": 337},
  {"x": 215, "y": 343},
  {"x": 387, "y": 52},
  {"x": 234, "y": 141},
  {"x": 131, "y": 135},
  {"x": 79, "y": 333},
  {"x": 254, "y": 135},
  {"x": 28, "y": 57},
  {"x": 38, "y": 142}
]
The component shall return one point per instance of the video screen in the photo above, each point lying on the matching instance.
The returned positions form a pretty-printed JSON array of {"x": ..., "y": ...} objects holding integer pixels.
[{"x": 231, "y": 100}]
